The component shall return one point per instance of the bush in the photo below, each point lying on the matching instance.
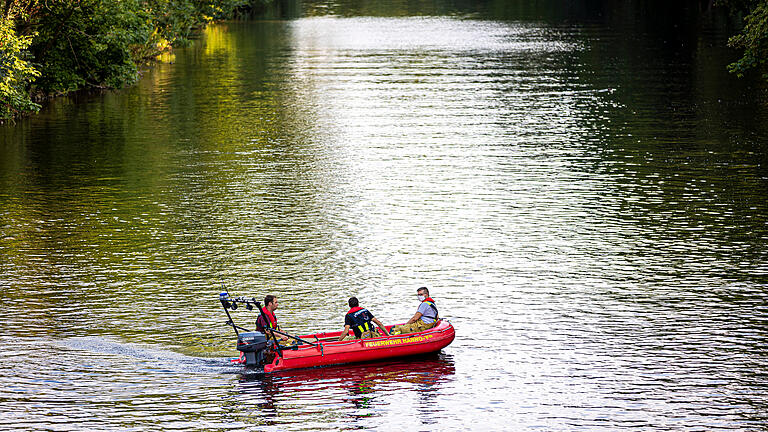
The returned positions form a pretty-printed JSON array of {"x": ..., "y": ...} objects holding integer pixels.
[
  {"x": 16, "y": 73},
  {"x": 89, "y": 43},
  {"x": 753, "y": 39},
  {"x": 76, "y": 44}
]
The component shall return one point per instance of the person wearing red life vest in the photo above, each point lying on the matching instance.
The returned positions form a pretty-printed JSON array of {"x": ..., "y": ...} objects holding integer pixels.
[
  {"x": 270, "y": 304},
  {"x": 359, "y": 320},
  {"x": 425, "y": 317}
]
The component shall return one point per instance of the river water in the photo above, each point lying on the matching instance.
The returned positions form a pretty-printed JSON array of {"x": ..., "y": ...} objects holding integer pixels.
[{"x": 583, "y": 189}]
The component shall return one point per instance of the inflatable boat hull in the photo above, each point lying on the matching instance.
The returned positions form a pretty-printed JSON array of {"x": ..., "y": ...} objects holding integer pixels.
[{"x": 331, "y": 352}]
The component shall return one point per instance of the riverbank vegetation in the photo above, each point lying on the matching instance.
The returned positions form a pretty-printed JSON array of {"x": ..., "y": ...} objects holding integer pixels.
[
  {"x": 52, "y": 47},
  {"x": 753, "y": 38}
]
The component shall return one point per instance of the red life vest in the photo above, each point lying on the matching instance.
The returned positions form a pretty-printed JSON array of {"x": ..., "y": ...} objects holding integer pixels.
[{"x": 271, "y": 320}]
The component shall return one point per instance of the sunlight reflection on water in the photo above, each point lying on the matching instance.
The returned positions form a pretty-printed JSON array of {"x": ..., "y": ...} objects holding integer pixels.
[{"x": 604, "y": 263}]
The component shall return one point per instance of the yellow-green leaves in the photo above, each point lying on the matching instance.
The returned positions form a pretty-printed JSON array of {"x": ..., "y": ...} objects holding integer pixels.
[{"x": 16, "y": 72}]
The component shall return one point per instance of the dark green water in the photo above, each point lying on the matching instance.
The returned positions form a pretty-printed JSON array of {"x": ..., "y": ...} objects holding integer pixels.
[{"x": 583, "y": 188}]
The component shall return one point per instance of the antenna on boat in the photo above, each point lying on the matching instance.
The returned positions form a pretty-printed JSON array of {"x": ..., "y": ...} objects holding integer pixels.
[{"x": 223, "y": 298}]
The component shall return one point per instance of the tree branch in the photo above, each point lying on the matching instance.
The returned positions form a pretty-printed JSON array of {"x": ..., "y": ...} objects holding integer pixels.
[
  {"x": 7, "y": 8},
  {"x": 58, "y": 32}
]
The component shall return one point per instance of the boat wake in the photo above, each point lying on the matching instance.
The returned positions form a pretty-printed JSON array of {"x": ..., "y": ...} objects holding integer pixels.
[{"x": 149, "y": 357}]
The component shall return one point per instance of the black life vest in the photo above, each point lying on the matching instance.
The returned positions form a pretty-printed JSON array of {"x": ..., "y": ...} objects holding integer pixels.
[{"x": 361, "y": 320}]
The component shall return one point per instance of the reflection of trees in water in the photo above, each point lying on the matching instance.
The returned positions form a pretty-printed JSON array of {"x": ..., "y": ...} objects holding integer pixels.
[
  {"x": 358, "y": 386},
  {"x": 269, "y": 389},
  {"x": 425, "y": 372},
  {"x": 259, "y": 406},
  {"x": 363, "y": 395}
]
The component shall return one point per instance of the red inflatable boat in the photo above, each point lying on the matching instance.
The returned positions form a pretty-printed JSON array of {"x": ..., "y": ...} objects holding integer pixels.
[
  {"x": 324, "y": 349},
  {"x": 329, "y": 351}
]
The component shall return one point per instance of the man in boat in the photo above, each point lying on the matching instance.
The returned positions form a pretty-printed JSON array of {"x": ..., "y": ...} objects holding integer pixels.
[
  {"x": 425, "y": 317},
  {"x": 359, "y": 320},
  {"x": 270, "y": 304}
]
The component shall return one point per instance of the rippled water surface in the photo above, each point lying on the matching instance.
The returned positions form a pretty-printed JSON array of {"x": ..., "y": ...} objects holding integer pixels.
[{"x": 584, "y": 191}]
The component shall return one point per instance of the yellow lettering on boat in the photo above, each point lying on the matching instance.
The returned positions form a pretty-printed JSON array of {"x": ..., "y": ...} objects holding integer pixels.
[{"x": 401, "y": 341}]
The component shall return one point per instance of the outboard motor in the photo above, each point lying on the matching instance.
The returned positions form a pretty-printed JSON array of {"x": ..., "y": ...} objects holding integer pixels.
[{"x": 254, "y": 346}]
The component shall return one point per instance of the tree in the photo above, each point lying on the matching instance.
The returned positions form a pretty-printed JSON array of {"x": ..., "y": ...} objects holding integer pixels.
[
  {"x": 753, "y": 38},
  {"x": 16, "y": 72},
  {"x": 88, "y": 43}
]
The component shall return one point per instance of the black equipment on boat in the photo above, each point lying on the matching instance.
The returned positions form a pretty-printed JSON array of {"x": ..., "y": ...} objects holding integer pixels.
[{"x": 254, "y": 344}]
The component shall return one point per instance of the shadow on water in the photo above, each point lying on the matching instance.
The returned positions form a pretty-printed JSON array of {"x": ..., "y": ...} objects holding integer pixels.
[
  {"x": 434, "y": 365},
  {"x": 354, "y": 386}
]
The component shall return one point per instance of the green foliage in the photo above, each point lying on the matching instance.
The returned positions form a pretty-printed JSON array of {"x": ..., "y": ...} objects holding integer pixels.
[
  {"x": 88, "y": 43},
  {"x": 222, "y": 9},
  {"x": 753, "y": 38},
  {"x": 176, "y": 21},
  {"x": 76, "y": 44},
  {"x": 16, "y": 73}
]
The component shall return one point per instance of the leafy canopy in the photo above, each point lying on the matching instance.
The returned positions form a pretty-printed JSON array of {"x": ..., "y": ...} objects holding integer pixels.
[
  {"x": 753, "y": 38},
  {"x": 58, "y": 46},
  {"x": 16, "y": 72}
]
